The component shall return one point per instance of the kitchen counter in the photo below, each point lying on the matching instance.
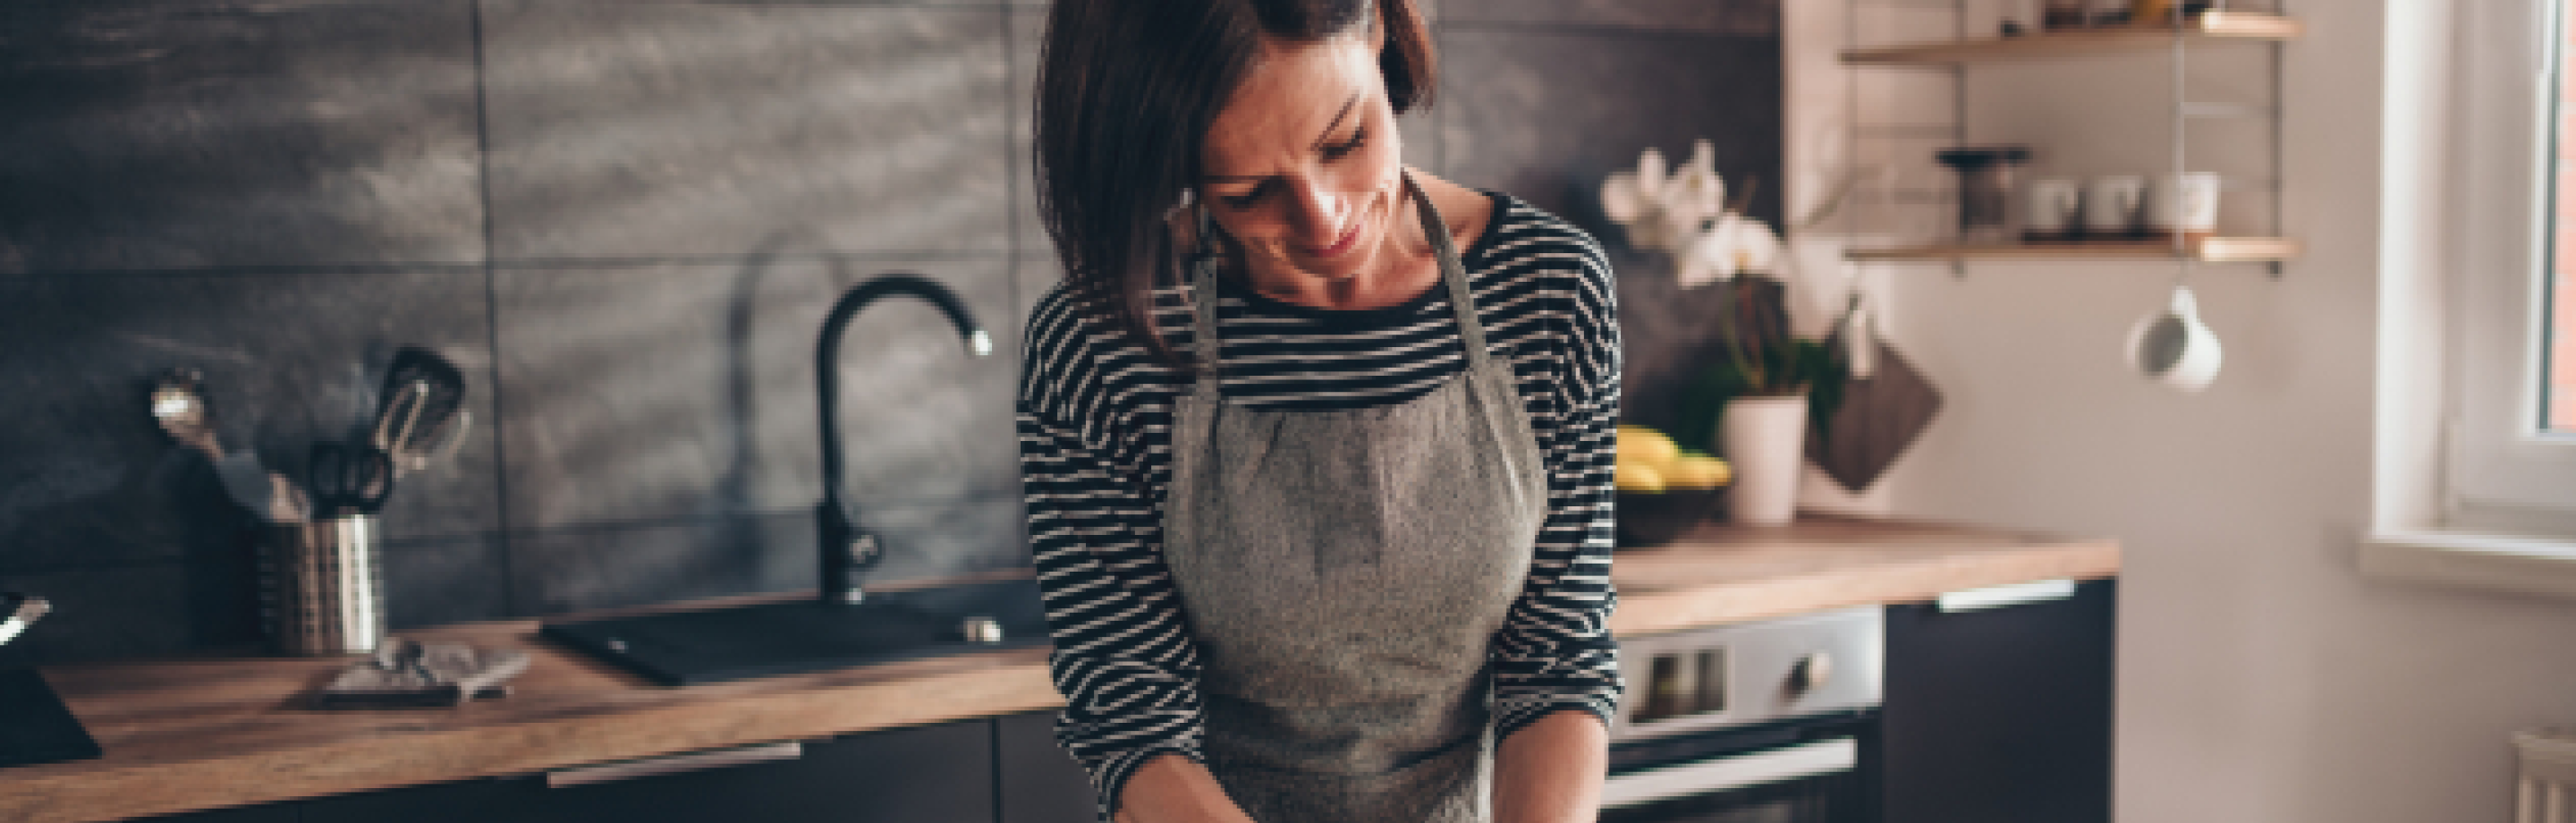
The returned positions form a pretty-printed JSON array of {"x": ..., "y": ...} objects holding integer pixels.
[{"x": 190, "y": 734}]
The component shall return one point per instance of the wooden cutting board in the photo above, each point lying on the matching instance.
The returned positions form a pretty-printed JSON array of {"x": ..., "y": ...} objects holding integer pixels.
[{"x": 1879, "y": 418}]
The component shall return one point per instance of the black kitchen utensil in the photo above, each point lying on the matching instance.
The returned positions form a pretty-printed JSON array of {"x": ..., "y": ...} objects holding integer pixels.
[{"x": 349, "y": 478}]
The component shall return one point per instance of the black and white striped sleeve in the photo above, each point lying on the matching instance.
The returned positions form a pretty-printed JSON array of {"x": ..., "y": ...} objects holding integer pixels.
[
  {"x": 1124, "y": 659},
  {"x": 1555, "y": 651}
]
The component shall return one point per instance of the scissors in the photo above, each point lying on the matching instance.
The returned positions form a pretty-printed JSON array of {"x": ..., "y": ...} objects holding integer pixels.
[{"x": 349, "y": 478}]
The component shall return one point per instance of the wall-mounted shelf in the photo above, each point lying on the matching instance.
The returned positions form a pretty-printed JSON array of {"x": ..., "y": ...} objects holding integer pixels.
[
  {"x": 2218, "y": 30},
  {"x": 2208, "y": 27},
  {"x": 2209, "y": 250}
]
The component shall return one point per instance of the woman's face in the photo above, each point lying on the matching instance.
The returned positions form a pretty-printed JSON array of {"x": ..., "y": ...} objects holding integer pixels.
[{"x": 1304, "y": 169}]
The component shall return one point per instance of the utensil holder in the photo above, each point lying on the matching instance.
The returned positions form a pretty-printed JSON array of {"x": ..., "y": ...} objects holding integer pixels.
[{"x": 324, "y": 595}]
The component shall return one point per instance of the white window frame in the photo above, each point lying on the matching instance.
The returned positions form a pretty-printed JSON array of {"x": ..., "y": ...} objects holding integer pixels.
[
  {"x": 2487, "y": 501},
  {"x": 2503, "y": 471}
]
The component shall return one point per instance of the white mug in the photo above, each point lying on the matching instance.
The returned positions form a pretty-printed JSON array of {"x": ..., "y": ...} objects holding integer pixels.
[
  {"x": 2050, "y": 209},
  {"x": 2185, "y": 204},
  {"x": 2111, "y": 205},
  {"x": 2174, "y": 348}
]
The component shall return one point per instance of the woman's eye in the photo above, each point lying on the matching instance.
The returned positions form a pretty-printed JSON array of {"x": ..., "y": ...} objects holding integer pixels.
[
  {"x": 1242, "y": 201},
  {"x": 1343, "y": 149}
]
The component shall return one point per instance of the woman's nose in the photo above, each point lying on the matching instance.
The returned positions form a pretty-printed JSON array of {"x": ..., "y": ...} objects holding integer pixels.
[{"x": 1316, "y": 211}]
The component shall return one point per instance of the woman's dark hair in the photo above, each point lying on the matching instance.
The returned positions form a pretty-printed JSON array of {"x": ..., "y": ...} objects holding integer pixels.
[{"x": 1126, "y": 91}]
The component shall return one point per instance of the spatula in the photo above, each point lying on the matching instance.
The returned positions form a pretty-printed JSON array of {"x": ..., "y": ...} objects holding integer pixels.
[{"x": 179, "y": 403}]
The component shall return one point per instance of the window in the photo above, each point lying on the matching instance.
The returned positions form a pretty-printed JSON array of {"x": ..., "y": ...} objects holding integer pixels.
[
  {"x": 2558, "y": 323},
  {"x": 2513, "y": 421}
]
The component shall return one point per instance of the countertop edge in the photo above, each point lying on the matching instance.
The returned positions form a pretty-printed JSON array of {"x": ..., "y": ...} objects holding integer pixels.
[{"x": 1675, "y": 609}]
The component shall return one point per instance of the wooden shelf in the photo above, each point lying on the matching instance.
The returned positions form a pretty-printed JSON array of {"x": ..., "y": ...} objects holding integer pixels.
[
  {"x": 2209, "y": 27},
  {"x": 2211, "y": 250}
]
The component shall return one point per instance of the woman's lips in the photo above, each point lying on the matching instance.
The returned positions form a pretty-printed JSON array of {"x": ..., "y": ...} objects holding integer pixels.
[{"x": 1350, "y": 237}]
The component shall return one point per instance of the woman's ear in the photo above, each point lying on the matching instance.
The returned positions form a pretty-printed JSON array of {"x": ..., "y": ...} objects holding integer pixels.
[{"x": 1377, "y": 29}]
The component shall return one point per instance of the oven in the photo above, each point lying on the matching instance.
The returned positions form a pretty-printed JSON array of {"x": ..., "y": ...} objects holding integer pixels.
[{"x": 1774, "y": 721}]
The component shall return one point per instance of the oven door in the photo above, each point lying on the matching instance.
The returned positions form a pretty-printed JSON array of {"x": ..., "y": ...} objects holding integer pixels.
[{"x": 1817, "y": 769}]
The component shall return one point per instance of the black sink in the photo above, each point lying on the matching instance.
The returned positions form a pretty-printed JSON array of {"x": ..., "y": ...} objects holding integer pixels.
[
  {"x": 762, "y": 640},
  {"x": 841, "y": 626}
]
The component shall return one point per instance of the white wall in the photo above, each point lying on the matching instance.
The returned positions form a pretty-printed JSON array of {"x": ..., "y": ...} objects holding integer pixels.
[{"x": 2261, "y": 678}]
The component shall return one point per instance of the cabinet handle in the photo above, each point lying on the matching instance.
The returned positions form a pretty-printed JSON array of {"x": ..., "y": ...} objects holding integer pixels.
[
  {"x": 673, "y": 764},
  {"x": 2013, "y": 594}
]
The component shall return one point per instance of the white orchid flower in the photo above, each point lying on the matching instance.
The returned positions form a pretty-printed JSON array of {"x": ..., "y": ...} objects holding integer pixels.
[
  {"x": 1757, "y": 248},
  {"x": 1652, "y": 171},
  {"x": 1700, "y": 174},
  {"x": 1734, "y": 245},
  {"x": 1706, "y": 259},
  {"x": 1622, "y": 200}
]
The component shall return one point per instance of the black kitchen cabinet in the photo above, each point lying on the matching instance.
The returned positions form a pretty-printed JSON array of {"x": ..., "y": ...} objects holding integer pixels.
[
  {"x": 497, "y": 800},
  {"x": 926, "y": 774},
  {"x": 273, "y": 813},
  {"x": 1038, "y": 782},
  {"x": 2000, "y": 715}
]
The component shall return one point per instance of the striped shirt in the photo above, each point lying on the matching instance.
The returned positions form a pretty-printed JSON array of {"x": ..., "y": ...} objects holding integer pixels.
[{"x": 1095, "y": 423}]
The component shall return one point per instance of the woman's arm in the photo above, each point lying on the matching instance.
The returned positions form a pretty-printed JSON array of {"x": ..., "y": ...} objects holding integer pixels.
[
  {"x": 1124, "y": 659},
  {"x": 1556, "y": 666},
  {"x": 1551, "y": 770}
]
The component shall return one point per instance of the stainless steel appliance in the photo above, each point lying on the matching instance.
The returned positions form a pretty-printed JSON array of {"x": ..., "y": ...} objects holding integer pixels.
[{"x": 1774, "y": 721}]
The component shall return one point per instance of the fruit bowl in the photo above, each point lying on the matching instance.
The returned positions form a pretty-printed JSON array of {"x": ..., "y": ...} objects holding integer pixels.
[{"x": 1655, "y": 518}]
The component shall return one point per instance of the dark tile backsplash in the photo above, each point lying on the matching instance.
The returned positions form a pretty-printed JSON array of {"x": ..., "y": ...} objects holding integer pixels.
[
  {"x": 625, "y": 221},
  {"x": 622, "y": 129},
  {"x": 183, "y": 135},
  {"x": 1546, "y": 114},
  {"x": 684, "y": 390}
]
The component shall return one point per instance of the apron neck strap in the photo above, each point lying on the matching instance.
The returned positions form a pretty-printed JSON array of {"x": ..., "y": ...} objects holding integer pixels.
[
  {"x": 1203, "y": 289},
  {"x": 1462, "y": 301},
  {"x": 1203, "y": 305}
]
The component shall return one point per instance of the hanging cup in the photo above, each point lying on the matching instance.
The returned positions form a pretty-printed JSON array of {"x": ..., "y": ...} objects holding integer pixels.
[{"x": 2174, "y": 348}]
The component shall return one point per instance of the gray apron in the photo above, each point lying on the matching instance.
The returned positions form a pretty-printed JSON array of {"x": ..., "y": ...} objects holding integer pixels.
[{"x": 1345, "y": 572}]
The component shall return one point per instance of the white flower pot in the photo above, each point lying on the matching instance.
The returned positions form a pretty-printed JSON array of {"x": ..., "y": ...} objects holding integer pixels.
[{"x": 1765, "y": 438}]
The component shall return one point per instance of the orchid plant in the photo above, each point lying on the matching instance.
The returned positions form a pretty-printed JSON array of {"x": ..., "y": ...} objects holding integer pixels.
[{"x": 1685, "y": 213}]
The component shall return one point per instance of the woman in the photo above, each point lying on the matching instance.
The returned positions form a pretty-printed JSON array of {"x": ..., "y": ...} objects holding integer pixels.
[{"x": 1320, "y": 505}]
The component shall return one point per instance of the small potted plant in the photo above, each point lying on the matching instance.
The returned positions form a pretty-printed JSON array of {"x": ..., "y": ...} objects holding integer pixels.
[
  {"x": 1763, "y": 394},
  {"x": 1753, "y": 405}
]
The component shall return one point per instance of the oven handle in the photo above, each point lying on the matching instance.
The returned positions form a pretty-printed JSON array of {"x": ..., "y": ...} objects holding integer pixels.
[{"x": 1827, "y": 756}]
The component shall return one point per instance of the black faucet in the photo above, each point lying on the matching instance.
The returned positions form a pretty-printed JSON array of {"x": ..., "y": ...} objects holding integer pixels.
[{"x": 848, "y": 551}]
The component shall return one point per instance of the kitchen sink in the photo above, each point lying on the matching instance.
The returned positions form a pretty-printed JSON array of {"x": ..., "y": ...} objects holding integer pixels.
[
  {"x": 807, "y": 635},
  {"x": 841, "y": 626}
]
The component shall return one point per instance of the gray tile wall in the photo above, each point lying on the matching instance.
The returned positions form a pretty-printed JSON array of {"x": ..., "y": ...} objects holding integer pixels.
[{"x": 624, "y": 220}]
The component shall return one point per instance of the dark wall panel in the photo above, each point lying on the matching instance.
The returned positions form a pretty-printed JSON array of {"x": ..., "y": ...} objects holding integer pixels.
[
  {"x": 1546, "y": 113},
  {"x": 1544, "y": 101},
  {"x": 623, "y": 129},
  {"x": 1760, "y": 18},
  {"x": 163, "y": 135}
]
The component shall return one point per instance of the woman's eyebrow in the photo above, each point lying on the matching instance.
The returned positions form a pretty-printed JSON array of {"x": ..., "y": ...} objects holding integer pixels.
[
  {"x": 1347, "y": 105},
  {"x": 1320, "y": 140}
]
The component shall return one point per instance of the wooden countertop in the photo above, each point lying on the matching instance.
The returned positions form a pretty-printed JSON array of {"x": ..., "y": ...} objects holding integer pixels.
[{"x": 183, "y": 735}]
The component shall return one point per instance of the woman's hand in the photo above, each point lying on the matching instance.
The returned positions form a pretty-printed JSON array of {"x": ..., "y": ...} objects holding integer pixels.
[
  {"x": 1551, "y": 770},
  {"x": 1176, "y": 789}
]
